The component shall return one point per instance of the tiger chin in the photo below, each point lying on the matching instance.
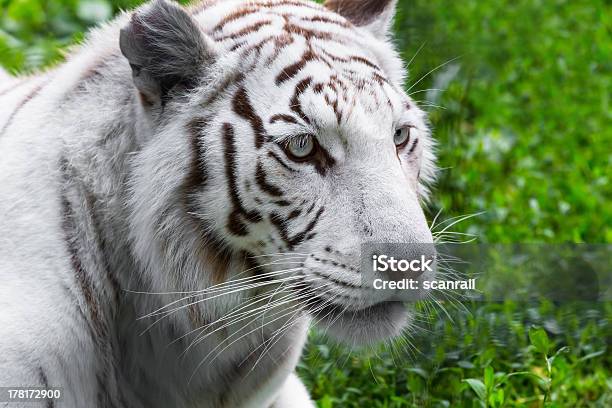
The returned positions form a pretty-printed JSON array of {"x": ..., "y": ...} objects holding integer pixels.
[{"x": 185, "y": 195}]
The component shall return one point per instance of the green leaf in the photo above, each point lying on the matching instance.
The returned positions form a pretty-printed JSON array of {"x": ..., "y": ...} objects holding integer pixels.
[
  {"x": 478, "y": 387},
  {"x": 419, "y": 371},
  {"x": 539, "y": 339},
  {"x": 354, "y": 390},
  {"x": 326, "y": 402},
  {"x": 496, "y": 399},
  {"x": 590, "y": 355},
  {"x": 465, "y": 364},
  {"x": 489, "y": 377},
  {"x": 29, "y": 15}
]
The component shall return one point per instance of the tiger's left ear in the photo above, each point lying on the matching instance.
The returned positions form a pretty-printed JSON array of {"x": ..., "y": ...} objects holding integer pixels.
[
  {"x": 166, "y": 50},
  {"x": 375, "y": 16}
]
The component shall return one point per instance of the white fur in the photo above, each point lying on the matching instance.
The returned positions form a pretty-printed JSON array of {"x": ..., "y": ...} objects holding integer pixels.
[{"x": 134, "y": 178}]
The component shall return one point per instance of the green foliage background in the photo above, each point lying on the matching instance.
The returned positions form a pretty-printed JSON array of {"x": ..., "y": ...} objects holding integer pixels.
[{"x": 523, "y": 125}]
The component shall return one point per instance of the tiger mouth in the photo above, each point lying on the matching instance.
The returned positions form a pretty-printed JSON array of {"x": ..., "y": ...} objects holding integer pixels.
[
  {"x": 322, "y": 309},
  {"x": 363, "y": 326},
  {"x": 352, "y": 323}
]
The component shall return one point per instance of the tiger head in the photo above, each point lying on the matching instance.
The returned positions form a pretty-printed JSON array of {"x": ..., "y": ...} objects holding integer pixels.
[{"x": 280, "y": 139}]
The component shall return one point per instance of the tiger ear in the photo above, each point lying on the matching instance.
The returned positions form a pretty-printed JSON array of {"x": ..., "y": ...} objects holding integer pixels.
[
  {"x": 166, "y": 50},
  {"x": 375, "y": 16}
]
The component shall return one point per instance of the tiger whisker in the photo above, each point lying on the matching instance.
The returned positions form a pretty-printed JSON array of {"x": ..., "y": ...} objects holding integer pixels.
[
  {"x": 432, "y": 71},
  {"x": 245, "y": 315},
  {"x": 430, "y": 105},
  {"x": 458, "y": 219},
  {"x": 166, "y": 314},
  {"x": 251, "y": 301},
  {"x": 268, "y": 344},
  {"x": 455, "y": 241},
  {"x": 277, "y": 301},
  {"x": 278, "y": 334},
  {"x": 437, "y": 233},
  {"x": 279, "y": 253},
  {"x": 416, "y": 53},
  {"x": 234, "y": 341},
  {"x": 426, "y": 90},
  {"x": 217, "y": 285},
  {"x": 261, "y": 328},
  {"x": 218, "y": 288},
  {"x": 231, "y": 290},
  {"x": 433, "y": 222}
]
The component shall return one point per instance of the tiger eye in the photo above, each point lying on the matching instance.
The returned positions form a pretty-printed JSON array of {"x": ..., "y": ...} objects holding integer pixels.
[
  {"x": 300, "y": 148},
  {"x": 401, "y": 136}
]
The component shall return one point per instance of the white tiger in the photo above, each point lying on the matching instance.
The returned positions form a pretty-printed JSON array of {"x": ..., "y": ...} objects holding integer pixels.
[{"x": 214, "y": 170}]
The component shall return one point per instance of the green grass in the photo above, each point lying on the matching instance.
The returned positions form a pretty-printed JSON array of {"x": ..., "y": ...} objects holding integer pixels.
[
  {"x": 525, "y": 132},
  {"x": 523, "y": 126},
  {"x": 446, "y": 355}
]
